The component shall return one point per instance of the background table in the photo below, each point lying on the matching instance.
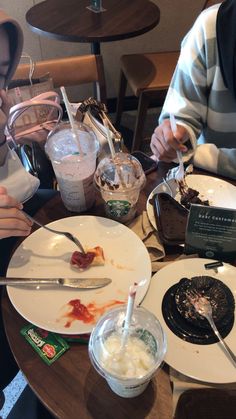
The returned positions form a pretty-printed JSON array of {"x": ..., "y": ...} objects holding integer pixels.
[{"x": 70, "y": 20}]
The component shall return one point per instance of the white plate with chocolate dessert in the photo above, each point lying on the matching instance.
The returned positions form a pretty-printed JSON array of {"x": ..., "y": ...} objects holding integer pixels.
[
  {"x": 218, "y": 192},
  {"x": 193, "y": 349},
  {"x": 47, "y": 255}
]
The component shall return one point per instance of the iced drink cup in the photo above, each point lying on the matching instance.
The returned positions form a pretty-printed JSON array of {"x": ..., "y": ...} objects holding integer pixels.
[
  {"x": 129, "y": 367},
  {"x": 119, "y": 181},
  {"x": 74, "y": 164}
]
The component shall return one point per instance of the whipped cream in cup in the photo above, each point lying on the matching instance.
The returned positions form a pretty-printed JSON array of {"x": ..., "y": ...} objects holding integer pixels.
[
  {"x": 128, "y": 366},
  {"x": 120, "y": 180}
]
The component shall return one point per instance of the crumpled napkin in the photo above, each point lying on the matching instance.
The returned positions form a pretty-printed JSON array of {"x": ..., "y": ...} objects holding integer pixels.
[{"x": 149, "y": 235}]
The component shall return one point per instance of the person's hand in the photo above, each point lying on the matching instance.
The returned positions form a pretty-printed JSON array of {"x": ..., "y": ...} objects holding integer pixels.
[
  {"x": 164, "y": 143},
  {"x": 12, "y": 221}
]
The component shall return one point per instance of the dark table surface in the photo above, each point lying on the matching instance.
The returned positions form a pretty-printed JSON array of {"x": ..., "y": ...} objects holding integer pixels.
[
  {"x": 71, "y": 21},
  {"x": 71, "y": 388}
]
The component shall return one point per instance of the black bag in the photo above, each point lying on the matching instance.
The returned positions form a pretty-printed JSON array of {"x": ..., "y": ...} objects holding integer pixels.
[{"x": 36, "y": 162}]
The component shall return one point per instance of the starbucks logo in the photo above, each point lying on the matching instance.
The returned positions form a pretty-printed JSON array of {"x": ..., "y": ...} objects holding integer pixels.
[{"x": 118, "y": 208}]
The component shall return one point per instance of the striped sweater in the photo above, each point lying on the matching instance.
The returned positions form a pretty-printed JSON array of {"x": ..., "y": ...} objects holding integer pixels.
[{"x": 200, "y": 101}]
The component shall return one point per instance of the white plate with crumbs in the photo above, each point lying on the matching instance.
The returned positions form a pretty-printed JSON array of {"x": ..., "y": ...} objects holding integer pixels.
[
  {"x": 204, "y": 362},
  {"x": 69, "y": 310},
  {"x": 218, "y": 192}
]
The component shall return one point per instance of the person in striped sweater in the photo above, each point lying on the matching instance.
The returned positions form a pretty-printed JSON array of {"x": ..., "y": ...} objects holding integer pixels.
[{"x": 202, "y": 96}]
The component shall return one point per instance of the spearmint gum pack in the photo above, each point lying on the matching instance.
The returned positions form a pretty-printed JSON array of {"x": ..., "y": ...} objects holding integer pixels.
[{"x": 48, "y": 345}]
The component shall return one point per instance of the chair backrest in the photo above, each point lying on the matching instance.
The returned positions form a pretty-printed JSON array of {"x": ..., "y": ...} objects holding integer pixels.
[{"x": 69, "y": 71}]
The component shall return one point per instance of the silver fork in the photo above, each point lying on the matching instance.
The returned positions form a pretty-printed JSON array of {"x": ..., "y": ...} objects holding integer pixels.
[
  {"x": 179, "y": 175},
  {"x": 203, "y": 307},
  {"x": 68, "y": 235}
]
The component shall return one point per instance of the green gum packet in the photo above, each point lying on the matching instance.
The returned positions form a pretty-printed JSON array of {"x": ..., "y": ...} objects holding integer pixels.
[{"x": 48, "y": 345}]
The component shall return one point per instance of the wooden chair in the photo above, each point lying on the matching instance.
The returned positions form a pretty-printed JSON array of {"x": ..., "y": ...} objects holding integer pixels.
[
  {"x": 149, "y": 76},
  {"x": 70, "y": 71}
]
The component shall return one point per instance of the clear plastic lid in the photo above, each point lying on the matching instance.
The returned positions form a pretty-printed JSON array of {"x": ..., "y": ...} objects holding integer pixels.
[
  {"x": 114, "y": 353},
  {"x": 119, "y": 173},
  {"x": 62, "y": 142}
]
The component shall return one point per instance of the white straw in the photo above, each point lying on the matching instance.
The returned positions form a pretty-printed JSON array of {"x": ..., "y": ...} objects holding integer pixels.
[
  {"x": 109, "y": 139},
  {"x": 71, "y": 119},
  {"x": 112, "y": 149},
  {"x": 129, "y": 312}
]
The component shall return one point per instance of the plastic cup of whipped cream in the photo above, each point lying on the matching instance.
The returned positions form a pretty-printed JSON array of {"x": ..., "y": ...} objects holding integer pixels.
[
  {"x": 120, "y": 180},
  {"x": 127, "y": 365}
]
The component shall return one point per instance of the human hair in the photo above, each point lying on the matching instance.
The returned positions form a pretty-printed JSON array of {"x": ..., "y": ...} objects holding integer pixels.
[{"x": 13, "y": 42}]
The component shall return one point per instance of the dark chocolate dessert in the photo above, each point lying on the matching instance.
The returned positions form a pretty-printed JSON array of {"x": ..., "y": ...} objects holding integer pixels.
[
  {"x": 214, "y": 290},
  {"x": 171, "y": 219},
  {"x": 190, "y": 196},
  {"x": 185, "y": 322}
]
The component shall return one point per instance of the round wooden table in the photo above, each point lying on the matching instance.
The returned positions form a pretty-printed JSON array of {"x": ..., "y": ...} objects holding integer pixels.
[
  {"x": 70, "y": 387},
  {"x": 72, "y": 21}
]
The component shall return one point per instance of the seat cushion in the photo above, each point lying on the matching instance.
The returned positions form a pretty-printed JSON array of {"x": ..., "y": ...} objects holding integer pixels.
[{"x": 150, "y": 70}]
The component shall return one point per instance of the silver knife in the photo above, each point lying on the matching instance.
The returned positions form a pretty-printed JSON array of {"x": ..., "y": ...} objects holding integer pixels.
[{"x": 81, "y": 283}]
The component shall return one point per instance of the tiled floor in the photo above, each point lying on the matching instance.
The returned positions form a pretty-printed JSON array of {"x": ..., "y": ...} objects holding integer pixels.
[
  {"x": 20, "y": 401},
  {"x": 12, "y": 393}
]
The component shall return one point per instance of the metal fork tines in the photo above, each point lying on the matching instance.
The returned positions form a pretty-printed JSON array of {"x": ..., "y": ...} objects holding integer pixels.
[
  {"x": 203, "y": 306},
  {"x": 68, "y": 235}
]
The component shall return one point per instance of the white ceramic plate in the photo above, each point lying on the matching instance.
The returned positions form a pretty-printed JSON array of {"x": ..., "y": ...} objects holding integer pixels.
[
  {"x": 206, "y": 363},
  {"x": 44, "y": 254},
  {"x": 219, "y": 192}
]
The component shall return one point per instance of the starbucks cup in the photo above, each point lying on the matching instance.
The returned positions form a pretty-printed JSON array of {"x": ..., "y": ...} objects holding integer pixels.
[
  {"x": 120, "y": 180},
  {"x": 127, "y": 365},
  {"x": 73, "y": 159}
]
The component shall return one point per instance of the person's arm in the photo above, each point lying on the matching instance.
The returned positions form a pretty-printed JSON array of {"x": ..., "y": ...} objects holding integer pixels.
[
  {"x": 12, "y": 221},
  {"x": 187, "y": 97},
  {"x": 221, "y": 161}
]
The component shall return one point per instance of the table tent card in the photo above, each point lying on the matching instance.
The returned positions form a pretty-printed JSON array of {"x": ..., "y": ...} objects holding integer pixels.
[{"x": 211, "y": 232}]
